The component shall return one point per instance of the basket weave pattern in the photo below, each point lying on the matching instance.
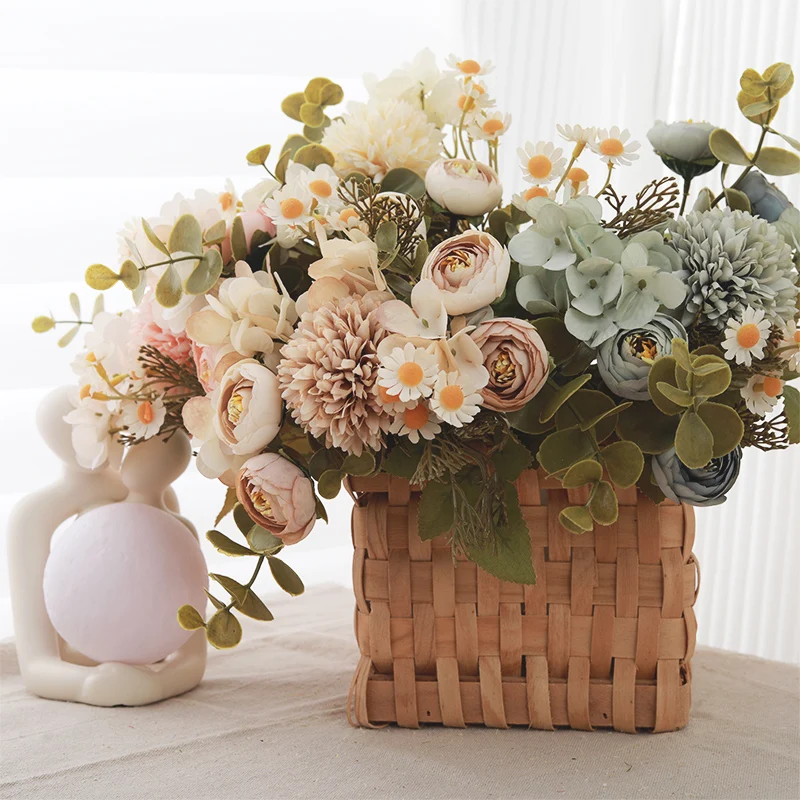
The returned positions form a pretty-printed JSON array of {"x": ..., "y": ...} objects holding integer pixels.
[{"x": 604, "y": 639}]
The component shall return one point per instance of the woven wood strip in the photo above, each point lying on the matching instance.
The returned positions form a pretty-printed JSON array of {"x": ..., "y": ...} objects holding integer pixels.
[{"x": 603, "y": 640}]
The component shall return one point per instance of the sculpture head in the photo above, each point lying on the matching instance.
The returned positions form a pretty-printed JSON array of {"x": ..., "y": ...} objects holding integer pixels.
[{"x": 153, "y": 465}]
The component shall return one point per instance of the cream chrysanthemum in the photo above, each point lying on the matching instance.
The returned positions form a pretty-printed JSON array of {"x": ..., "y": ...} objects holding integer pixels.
[
  {"x": 541, "y": 163},
  {"x": 746, "y": 339},
  {"x": 613, "y": 146},
  {"x": 453, "y": 400},
  {"x": 760, "y": 393},
  {"x": 408, "y": 372},
  {"x": 328, "y": 375},
  {"x": 376, "y": 137},
  {"x": 415, "y": 422}
]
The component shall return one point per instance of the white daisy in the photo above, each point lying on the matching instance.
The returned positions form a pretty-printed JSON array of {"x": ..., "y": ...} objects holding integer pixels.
[
  {"x": 323, "y": 184},
  {"x": 577, "y": 182},
  {"x": 542, "y": 162},
  {"x": 290, "y": 206},
  {"x": 344, "y": 219},
  {"x": 746, "y": 339},
  {"x": 391, "y": 403},
  {"x": 489, "y": 126},
  {"x": 408, "y": 372},
  {"x": 415, "y": 422},
  {"x": 144, "y": 419},
  {"x": 521, "y": 199},
  {"x": 789, "y": 345},
  {"x": 613, "y": 146},
  {"x": 761, "y": 392},
  {"x": 474, "y": 99},
  {"x": 454, "y": 401},
  {"x": 468, "y": 66},
  {"x": 576, "y": 133}
]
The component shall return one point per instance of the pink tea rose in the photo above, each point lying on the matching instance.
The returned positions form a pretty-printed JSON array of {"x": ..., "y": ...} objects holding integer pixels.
[
  {"x": 277, "y": 496},
  {"x": 146, "y": 331},
  {"x": 470, "y": 270},
  {"x": 517, "y": 360},
  {"x": 252, "y": 221}
]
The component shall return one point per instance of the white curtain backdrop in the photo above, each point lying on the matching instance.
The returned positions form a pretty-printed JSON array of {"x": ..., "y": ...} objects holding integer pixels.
[{"x": 110, "y": 108}]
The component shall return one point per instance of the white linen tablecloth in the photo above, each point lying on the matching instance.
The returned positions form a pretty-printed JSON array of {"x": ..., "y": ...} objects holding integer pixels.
[{"x": 269, "y": 721}]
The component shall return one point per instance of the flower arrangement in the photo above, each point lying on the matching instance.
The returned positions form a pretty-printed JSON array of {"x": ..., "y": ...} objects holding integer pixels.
[{"x": 372, "y": 306}]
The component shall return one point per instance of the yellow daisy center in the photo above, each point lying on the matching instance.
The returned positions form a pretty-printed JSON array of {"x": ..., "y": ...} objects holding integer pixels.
[
  {"x": 797, "y": 337},
  {"x": 291, "y": 208},
  {"x": 535, "y": 191},
  {"x": 578, "y": 175},
  {"x": 226, "y": 200},
  {"x": 540, "y": 166},
  {"x": 451, "y": 398},
  {"x": 466, "y": 103},
  {"x": 492, "y": 126},
  {"x": 748, "y": 335},
  {"x": 772, "y": 386},
  {"x": 416, "y": 418},
  {"x": 410, "y": 374},
  {"x": 320, "y": 187},
  {"x": 348, "y": 214},
  {"x": 469, "y": 66},
  {"x": 612, "y": 147},
  {"x": 386, "y": 397},
  {"x": 91, "y": 358},
  {"x": 145, "y": 413}
]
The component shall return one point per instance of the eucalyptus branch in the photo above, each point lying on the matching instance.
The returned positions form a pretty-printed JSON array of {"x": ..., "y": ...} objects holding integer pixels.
[{"x": 746, "y": 171}]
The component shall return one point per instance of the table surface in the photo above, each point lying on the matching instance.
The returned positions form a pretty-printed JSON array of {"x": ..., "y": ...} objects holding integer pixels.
[{"x": 268, "y": 721}]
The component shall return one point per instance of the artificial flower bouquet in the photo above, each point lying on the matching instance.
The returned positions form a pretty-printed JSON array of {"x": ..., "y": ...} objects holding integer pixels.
[{"x": 374, "y": 307}]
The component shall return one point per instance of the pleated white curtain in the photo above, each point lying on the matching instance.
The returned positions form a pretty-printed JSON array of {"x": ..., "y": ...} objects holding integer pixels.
[{"x": 627, "y": 63}]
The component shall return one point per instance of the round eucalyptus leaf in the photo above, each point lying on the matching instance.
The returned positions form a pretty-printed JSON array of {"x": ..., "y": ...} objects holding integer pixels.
[
  {"x": 100, "y": 277},
  {"x": 624, "y": 463},
  {"x": 205, "y": 275},
  {"x": 129, "y": 274},
  {"x": 286, "y": 577},
  {"x": 694, "y": 442},
  {"x": 186, "y": 236},
  {"x": 587, "y": 471},
  {"x": 663, "y": 371},
  {"x": 168, "y": 289},
  {"x": 312, "y": 155},
  {"x": 258, "y": 156},
  {"x": 576, "y": 519},
  {"x": 190, "y": 619},
  {"x": 604, "y": 506},
  {"x": 725, "y": 424},
  {"x": 43, "y": 324},
  {"x": 329, "y": 483},
  {"x": 223, "y": 630}
]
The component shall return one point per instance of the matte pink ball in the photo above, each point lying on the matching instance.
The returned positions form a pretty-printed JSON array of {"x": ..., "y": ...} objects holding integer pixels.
[{"x": 116, "y": 578}]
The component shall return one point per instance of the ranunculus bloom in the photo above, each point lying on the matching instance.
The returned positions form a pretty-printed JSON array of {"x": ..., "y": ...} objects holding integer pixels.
[
  {"x": 277, "y": 496},
  {"x": 252, "y": 221},
  {"x": 248, "y": 407},
  {"x": 684, "y": 141},
  {"x": 517, "y": 361},
  {"x": 707, "y": 486},
  {"x": 147, "y": 331},
  {"x": 463, "y": 187},
  {"x": 470, "y": 270},
  {"x": 766, "y": 199}
]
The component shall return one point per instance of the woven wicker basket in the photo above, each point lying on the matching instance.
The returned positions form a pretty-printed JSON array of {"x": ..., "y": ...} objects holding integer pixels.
[{"x": 603, "y": 640}]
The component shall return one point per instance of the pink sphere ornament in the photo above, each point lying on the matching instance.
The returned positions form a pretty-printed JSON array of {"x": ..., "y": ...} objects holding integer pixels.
[{"x": 115, "y": 580}]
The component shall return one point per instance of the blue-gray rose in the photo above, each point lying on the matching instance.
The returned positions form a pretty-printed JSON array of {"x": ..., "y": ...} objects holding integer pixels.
[
  {"x": 707, "y": 486},
  {"x": 624, "y": 360},
  {"x": 766, "y": 199}
]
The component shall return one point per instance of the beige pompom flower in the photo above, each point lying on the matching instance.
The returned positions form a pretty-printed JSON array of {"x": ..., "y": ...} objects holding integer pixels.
[{"x": 328, "y": 375}]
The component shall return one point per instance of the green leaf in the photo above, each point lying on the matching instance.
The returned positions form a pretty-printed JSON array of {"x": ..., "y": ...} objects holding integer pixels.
[
  {"x": 386, "y": 236},
  {"x": 604, "y": 506},
  {"x": 238, "y": 240},
  {"x": 253, "y": 607},
  {"x": 258, "y": 156},
  {"x": 75, "y": 304},
  {"x": 214, "y": 601},
  {"x": 152, "y": 238},
  {"x": 562, "y": 394},
  {"x": 727, "y": 149},
  {"x": 223, "y": 630},
  {"x": 312, "y": 155},
  {"x": 331, "y": 95},
  {"x": 99, "y": 305},
  {"x": 498, "y": 220},
  {"x": 319, "y": 510},
  {"x": 206, "y": 274},
  {"x": 231, "y": 586},
  {"x": 262, "y": 541},
  {"x": 129, "y": 274},
  {"x": 286, "y": 577},
  {"x": 186, "y": 236},
  {"x": 100, "y": 277},
  {"x": 791, "y": 407},
  {"x": 527, "y": 418},
  {"x": 291, "y": 105},
  {"x": 329, "y": 483},
  {"x": 725, "y": 424},
  {"x": 436, "y": 510},
  {"x": 647, "y": 486},
  {"x": 564, "y": 448},
  {"x": 43, "y": 324},
  {"x": 587, "y": 471},
  {"x": 508, "y": 556},
  {"x": 576, "y": 519},
  {"x": 737, "y": 201},
  {"x": 788, "y": 139},
  {"x": 401, "y": 463},
  {"x": 68, "y": 336},
  {"x": 242, "y": 519},
  {"x": 322, "y": 461},
  {"x": 677, "y": 396},
  {"x": 680, "y": 352},
  {"x": 587, "y": 409},
  {"x": 216, "y": 233},
  {"x": 313, "y": 91},
  {"x": 647, "y": 427},
  {"x": 227, "y": 506},
  {"x": 190, "y": 619},
  {"x": 512, "y": 460},
  {"x": 359, "y": 465},
  {"x": 694, "y": 442},
  {"x": 225, "y": 545},
  {"x": 405, "y": 181},
  {"x": 312, "y": 115},
  {"x": 777, "y": 161},
  {"x": 712, "y": 378},
  {"x": 168, "y": 288},
  {"x": 663, "y": 370},
  {"x": 624, "y": 462},
  {"x": 560, "y": 343}
]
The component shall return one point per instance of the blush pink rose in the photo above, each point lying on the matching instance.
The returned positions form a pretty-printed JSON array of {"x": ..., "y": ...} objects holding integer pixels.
[
  {"x": 277, "y": 496},
  {"x": 252, "y": 221},
  {"x": 146, "y": 331},
  {"x": 517, "y": 360}
]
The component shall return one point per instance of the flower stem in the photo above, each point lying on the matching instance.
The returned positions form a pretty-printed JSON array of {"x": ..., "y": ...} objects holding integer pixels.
[
  {"x": 687, "y": 182},
  {"x": 608, "y": 179}
]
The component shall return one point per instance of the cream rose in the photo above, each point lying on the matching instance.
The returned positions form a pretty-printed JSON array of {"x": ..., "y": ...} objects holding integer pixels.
[
  {"x": 463, "y": 187},
  {"x": 248, "y": 407},
  {"x": 470, "y": 270},
  {"x": 517, "y": 361},
  {"x": 277, "y": 496}
]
